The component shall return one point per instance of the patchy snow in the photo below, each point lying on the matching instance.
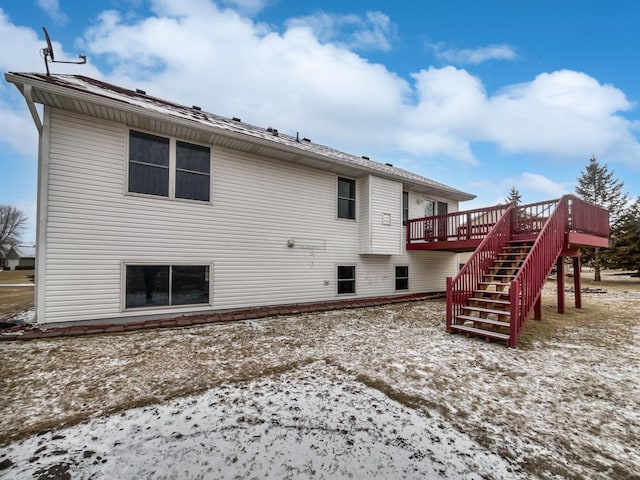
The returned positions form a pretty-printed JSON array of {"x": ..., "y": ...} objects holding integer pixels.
[
  {"x": 314, "y": 421},
  {"x": 24, "y": 317},
  {"x": 365, "y": 393}
]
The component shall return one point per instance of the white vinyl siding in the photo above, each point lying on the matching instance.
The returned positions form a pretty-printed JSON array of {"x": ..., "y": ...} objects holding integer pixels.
[
  {"x": 381, "y": 228},
  {"x": 259, "y": 205}
]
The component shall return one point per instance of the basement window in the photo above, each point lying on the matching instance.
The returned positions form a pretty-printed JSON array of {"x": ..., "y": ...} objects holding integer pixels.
[
  {"x": 166, "y": 285},
  {"x": 346, "y": 279},
  {"x": 167, "y": 167},
  {"x": 402, "y": 277}
]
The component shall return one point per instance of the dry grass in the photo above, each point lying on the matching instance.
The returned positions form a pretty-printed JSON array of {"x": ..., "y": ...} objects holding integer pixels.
[
  {"x": 15, "y": 299},
  {"x": 565, "y": 402}
]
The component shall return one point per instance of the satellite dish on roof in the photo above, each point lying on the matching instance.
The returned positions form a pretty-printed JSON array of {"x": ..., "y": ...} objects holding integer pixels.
[{"x": 48, "y": 55}]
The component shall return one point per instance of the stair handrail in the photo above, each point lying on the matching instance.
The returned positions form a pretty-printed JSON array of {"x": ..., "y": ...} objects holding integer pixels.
[
  {"x": 461, "y": 287},
  {"x": 526, "y": 286}
]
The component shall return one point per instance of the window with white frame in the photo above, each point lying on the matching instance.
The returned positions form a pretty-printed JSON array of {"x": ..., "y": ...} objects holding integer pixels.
[
  {"x": 346, "y": 198},
  {"x": 166, "y": 285},
  {"x": 168, "y": 167},
  {"x": 346, "y": 279},
  {"x": 402, "y": 277}
]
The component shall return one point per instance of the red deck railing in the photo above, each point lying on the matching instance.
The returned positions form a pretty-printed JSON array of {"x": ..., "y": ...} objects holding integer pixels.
[
  {"x": 529, "y": 219},
  {"x": 584, "y": 217},
  {"x": 461, "y": 287},
  {"x": 468, "y": 225}
]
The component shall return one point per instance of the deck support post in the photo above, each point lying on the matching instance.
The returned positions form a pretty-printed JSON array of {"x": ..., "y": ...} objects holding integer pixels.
[
  {"x": 537, "y": 308},
  {"x": 577, "y": 287},
  {"x": 560, "y": 283},
  {"x": 449, "y": 304}
]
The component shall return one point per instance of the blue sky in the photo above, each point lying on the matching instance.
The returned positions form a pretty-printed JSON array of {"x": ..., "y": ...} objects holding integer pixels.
[{"x": 479, "y": 95}]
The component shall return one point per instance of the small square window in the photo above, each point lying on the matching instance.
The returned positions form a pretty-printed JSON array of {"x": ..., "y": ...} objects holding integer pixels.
[
  {"x": 346, "y": 198},
  {"x": 402, "y": 278},
  {"x": 346, "y": 279}
]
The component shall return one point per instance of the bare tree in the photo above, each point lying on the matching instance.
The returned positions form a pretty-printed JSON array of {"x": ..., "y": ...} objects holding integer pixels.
[{"x": 12, "y": 224}]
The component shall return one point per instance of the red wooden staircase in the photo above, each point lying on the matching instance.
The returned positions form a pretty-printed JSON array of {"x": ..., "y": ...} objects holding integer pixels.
[
  {"x": 516, "y": 249},
  {"x": 487, "y": 311}
]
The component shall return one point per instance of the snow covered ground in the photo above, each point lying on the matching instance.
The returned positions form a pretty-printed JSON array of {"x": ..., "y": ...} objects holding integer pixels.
[
  {"x": 312, "y": 422},
  {"x": 367, "y": 393}
]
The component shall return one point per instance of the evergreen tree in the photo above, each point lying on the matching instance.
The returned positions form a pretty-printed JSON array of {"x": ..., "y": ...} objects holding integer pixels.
[
  {"x": 597, "y": 185},
  {"x": 514, "y": 197},
  {"x": 626, "y": 240}
]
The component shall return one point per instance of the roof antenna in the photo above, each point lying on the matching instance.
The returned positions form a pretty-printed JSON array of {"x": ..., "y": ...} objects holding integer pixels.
[{"x": 49, "y": 57}]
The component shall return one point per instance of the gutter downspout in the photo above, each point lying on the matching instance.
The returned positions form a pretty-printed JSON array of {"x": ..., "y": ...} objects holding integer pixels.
[
  {"x": 41, "y": 207},
  {"x": 28, "y": 96}
]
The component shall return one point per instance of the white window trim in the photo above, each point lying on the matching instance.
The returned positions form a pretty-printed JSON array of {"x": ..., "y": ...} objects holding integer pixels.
[
  {"x": 172, "y": 169},
  {"x": 162, "y": 308}
]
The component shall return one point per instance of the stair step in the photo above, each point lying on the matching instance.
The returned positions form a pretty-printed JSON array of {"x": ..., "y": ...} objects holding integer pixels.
[
  {"x": 486, "y": 310},
  {"x": 495, "y": 284},
  {"x": 480, "y": 331},
  {"x": 489, "y": 300},
  {"x": 497, "y": 323},
  {"x": 496, "y": 275},
  {"x": 504, "y": 293},
  {"x": 500, "y": 269}
]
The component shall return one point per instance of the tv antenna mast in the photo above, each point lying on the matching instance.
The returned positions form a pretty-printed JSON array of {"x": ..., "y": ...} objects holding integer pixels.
[{"x": 48, "y": 55}]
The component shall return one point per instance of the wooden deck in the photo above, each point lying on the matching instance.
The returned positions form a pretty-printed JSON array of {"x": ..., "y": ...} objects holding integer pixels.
[{"x": 587, "y": 226}]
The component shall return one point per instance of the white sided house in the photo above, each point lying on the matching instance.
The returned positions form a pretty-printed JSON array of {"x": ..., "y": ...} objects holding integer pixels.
[{"x": 148, "y": 209}]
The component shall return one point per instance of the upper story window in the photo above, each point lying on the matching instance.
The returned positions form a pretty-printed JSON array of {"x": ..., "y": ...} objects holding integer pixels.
[
  {"x": 405, "y": 207},
  {"x": 193, "y": 164},
  {"x": 148, "y": 164},
  {"x": 168, "y": 168},
  {"x": 346, "y": 198}
]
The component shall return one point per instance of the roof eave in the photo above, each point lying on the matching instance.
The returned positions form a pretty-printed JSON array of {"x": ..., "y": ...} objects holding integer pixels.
[{"x": 19, "y": 80}]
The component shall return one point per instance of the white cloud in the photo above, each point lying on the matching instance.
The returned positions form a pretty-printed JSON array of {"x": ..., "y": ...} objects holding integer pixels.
[
  {"x": 373, "y": 32},
  {"x": 563, "y": 113},
  {"x": 52, "y": 9},
  {"x": 473, "y": 56},
  {"x": 536, "y": 186},
  {"x": 288, "y": 80},
  {"x": 249, "y": 7},
  {"x": 303, "y": 79}
]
